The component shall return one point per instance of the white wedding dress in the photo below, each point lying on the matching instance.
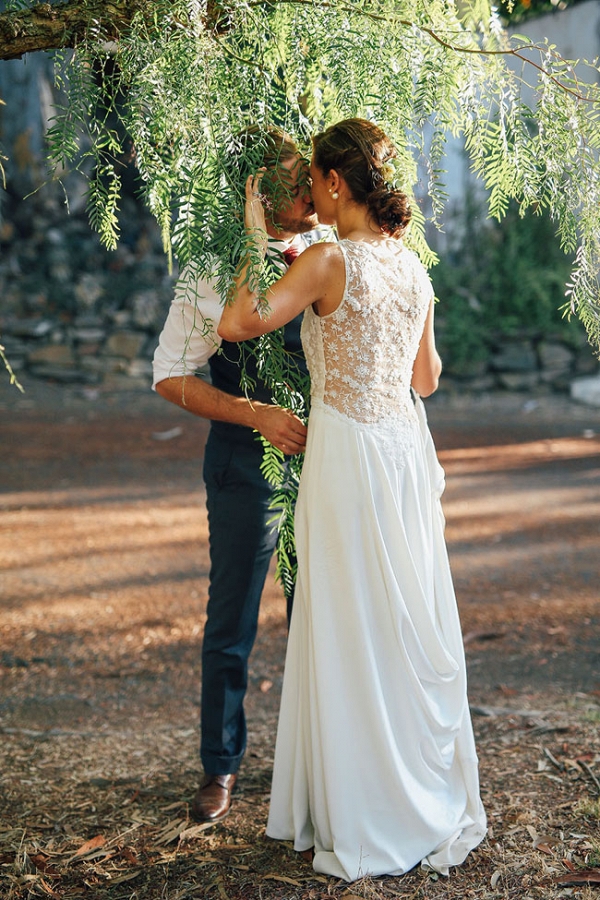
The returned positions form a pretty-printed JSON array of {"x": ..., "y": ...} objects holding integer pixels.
[{"x": 375, "y": 762}]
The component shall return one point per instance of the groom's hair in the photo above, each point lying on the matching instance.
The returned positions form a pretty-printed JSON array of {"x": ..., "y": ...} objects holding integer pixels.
[{"x": 255, "y": 147}]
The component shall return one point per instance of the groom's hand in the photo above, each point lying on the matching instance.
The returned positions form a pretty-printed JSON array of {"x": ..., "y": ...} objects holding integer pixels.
[{"x": 280, "y": 427}]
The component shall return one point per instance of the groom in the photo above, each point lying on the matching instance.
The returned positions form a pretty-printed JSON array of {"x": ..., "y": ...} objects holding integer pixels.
[{"x": 240, "y": 539}]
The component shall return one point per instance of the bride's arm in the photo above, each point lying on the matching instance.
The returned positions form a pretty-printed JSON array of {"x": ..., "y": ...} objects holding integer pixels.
[
  {"x": 428, "y": 365},
  {"x": 288, "y": 297},
  {"x": 311, "y": 279}
]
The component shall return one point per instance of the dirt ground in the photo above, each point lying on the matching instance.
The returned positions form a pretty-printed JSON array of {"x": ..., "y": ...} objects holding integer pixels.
[{"x": 103, "y": 586}]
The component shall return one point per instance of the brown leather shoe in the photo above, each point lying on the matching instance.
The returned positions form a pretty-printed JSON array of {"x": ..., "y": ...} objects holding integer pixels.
[{"x": 212, "y": 800}]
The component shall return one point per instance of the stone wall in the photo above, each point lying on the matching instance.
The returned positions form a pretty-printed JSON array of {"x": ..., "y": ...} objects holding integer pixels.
[
  {"x": 74, "y": 312},
  {"x": 524, "y": 362}
]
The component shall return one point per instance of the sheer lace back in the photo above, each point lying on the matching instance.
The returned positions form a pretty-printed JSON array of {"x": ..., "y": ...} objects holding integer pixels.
[{"x": 361, "y": 356}]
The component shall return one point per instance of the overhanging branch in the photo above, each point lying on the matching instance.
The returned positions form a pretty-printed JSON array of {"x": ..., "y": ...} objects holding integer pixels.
[
  {"x": 519, "y": 52},
  {"x": 54, "y": 27},
  {"x": 48, "y": 27}
]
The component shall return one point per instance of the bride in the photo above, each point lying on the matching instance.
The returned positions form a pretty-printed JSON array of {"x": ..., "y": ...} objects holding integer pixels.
[{"x": 375, "y": 763}]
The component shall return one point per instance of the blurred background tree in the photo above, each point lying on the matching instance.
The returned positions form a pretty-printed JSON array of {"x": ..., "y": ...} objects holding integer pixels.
[{"x": 515, "y": 11}]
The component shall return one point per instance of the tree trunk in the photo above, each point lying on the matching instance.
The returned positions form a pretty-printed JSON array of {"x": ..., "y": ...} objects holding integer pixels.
[
  {"x": 26, "y": 89},
  {"x": 46, "y": 27}
]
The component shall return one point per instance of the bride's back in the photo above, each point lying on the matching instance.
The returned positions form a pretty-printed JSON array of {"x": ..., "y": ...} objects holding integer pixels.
[{"x": 361, "y": 356}]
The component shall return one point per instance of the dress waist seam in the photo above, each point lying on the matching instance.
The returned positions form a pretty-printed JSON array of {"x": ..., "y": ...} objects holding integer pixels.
[{"x": 393, "y": 421}]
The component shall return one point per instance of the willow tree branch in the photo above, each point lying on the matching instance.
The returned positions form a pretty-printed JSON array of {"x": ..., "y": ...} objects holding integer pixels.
[
  {"x": 48, "y": 27},
  {"x": 518, "y": 52},
  {"x": 54, "y": 27}
]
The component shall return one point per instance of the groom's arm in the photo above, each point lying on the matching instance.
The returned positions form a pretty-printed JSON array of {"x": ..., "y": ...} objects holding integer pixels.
[
  {"x": 186, "y": 343},
  {"x": 279, "y": 426}
]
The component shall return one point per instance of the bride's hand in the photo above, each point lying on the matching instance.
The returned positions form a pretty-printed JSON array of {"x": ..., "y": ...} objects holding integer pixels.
[
  {"x": 254, "y": 213},
  {"x": 256, "y": 231}
]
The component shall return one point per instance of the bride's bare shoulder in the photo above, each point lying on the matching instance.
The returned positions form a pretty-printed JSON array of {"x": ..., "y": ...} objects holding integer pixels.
[{"x": 323, "y": 252}]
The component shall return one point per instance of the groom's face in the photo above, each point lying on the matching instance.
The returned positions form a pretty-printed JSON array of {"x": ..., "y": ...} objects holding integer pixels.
[{"x": 293, "y": 211}]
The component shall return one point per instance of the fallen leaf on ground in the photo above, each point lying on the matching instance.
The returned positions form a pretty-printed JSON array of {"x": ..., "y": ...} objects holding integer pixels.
[
  {"x": 194, "y": 831},
  {"x": 583, "y": 876},
  {"x": 545, "y": 840},
  {"x": 47, "y": 889},
  {"x": 93, "y": 844},
  {"x": 171, "y": 831},
  {"x": 482, "y": 636},
  {"x": 283, "y": 878},
  {"x": 42, "y": 865},
  {"x": 128, "y": 876},
  {"x": 167, "y": 435},
  {"x": 495, "y": 878}
]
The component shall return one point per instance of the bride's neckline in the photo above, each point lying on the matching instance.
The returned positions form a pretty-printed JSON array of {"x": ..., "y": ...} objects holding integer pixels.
[{"x": 393, "y": 244}]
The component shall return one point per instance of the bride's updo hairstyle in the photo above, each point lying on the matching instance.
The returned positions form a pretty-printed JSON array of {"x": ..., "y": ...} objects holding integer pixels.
[{"x": 358, "y": 151}]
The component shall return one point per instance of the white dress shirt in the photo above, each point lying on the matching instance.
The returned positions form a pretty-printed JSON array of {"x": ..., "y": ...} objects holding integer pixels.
[{"x": 189, "y": 336}]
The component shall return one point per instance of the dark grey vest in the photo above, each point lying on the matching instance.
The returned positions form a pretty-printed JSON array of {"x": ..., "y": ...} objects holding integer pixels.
[{"x": 225, "y": 370}]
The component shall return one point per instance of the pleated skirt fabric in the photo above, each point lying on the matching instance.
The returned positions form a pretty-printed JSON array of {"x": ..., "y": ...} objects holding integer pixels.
[{"x": 375, "y": 762}]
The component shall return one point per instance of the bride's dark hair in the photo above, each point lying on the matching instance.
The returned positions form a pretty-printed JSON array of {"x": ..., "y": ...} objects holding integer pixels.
[{"x": 358, "y": 151}]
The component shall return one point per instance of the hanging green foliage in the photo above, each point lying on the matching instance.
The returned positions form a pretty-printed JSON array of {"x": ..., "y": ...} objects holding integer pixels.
[{"x": 186, "y": 76}]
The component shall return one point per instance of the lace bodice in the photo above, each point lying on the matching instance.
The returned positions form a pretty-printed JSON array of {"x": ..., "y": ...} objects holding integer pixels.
[{"x": 361, "y": 356}]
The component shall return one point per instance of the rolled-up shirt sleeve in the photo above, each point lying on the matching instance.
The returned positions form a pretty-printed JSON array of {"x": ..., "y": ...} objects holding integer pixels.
[{"x": 189, "y": 336}]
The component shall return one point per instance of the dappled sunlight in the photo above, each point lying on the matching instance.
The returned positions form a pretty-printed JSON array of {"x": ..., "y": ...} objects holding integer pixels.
[
  {"x": 529, "y": 561},
  {"x": 54, "y": 498},
  {"x": 38, "y": 536},
  {"x": 479, "y": 521},
  {"x": 505, "y": 457},
  {"x": 69, "y": 559},
  {"x": 525, "y": 511}
]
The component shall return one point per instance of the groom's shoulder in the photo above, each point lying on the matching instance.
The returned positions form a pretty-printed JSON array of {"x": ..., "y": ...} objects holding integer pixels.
[{"x": 319, "y": 235}]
